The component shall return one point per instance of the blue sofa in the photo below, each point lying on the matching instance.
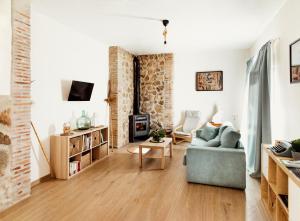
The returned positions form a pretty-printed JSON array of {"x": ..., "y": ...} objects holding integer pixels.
[{"x": 215, "y": 165}]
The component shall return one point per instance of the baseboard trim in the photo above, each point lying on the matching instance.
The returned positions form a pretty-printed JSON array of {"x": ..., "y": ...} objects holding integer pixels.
[
  {"x": 9, "y": 209},
  {"x": 41, "y": 180}
]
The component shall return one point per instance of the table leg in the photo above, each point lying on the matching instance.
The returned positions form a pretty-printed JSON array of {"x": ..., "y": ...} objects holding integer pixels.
[
  {"x": 141, "y": 156},
  {"x": 171, "y": 149},
  {"x": 162, "y": 164}
]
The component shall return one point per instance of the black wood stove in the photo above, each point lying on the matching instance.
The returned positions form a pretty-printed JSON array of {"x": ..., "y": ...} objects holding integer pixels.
[{"x": 139, "y": 124}]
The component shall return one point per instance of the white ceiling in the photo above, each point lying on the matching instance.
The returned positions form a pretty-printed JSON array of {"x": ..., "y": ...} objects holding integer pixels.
[{"x": 194, "y": 24}]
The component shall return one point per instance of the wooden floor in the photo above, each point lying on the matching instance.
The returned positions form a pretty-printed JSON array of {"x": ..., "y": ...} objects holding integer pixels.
[{"x": 116, "y": 189}]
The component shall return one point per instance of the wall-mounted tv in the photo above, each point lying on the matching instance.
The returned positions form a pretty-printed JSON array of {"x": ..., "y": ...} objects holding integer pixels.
[{"x": 80, "y": 91}]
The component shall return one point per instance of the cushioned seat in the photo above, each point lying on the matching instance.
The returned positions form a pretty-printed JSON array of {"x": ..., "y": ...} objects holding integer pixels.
[
  {"x": 219, "y": 165},
  {"x": 185, "y": 131}
]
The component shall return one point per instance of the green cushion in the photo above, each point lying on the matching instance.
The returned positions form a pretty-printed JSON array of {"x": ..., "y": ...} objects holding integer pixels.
[
  {"x": 209, "y": 132},
  {"x": 230, "y": 138},
  {"x": 198, "y": 132},
  {"x": 213, "y": 143}
]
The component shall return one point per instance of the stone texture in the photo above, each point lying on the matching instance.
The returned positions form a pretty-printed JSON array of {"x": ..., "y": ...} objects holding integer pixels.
[
  {"x": 156, "y": 87},
  {"x": 121, "y": 76},
  {"x": 17, "y": 186},
  {"x": 5, "y": 155},
  {"x": 156, "y": 90}
]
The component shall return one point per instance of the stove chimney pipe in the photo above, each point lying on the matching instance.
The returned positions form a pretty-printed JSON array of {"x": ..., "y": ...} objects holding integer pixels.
[{"x": 136, "y": 84}]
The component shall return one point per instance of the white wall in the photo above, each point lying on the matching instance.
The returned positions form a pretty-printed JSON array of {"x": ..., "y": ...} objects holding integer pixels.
[
  {"x": 5, "y": 46},
  {"x": 58, "y": 54},
  {"x": 284, "y": 26},
  {"x": 233, "y": 65}
]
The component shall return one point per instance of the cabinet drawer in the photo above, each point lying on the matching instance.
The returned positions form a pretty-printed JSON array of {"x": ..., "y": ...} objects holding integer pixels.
[
  {"x": 95, "y": 138},
  {"x": 103, "y": 150},
  {"x": 75, "y": 145},
  {"x": 85, "y": 160}
]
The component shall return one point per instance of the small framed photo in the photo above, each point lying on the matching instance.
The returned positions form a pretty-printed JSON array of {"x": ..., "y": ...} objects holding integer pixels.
[
  {"x": 209, "y": 81},
  {"x": 295, "y": 62}
]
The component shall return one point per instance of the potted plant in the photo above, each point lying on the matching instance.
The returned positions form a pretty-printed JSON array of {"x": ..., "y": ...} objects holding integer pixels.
[
  {"x": 157, "y": 132},
  {"x": 296, "y": 149}
]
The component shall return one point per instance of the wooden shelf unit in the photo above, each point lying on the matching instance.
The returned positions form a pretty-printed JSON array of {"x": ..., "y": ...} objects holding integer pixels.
[
  {"x": 274, "y": 184},
  {"x": 75, "y": 147}
]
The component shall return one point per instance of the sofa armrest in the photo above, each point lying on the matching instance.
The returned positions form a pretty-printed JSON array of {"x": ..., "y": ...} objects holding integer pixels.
[{"x": 216, "y": 166}]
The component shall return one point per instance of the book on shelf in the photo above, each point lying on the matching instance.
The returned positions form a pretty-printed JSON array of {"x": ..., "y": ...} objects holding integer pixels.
[
  {"x": 87, "y": 142},
  {"x": 74, "y": 167},
  {"x": 101, "y": 137}
]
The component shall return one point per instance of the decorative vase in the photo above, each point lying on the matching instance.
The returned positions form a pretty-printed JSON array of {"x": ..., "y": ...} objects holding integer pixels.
[
  {"x": 296, "y": 155},
  {"x": 84, "y": 122}
]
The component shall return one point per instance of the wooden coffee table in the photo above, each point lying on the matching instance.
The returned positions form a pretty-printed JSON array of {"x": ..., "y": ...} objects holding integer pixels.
[{"x": 157, "y": 151}]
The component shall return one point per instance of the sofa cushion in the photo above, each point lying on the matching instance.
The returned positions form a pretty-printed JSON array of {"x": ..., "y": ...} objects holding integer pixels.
[
  {"x": 230, "y": 138},
  {"x": 198, "y": 132},
  {"x": 198, "y": 142},
  {"x": 213, "y": 143},
  {"x": 209, "y": 132}
]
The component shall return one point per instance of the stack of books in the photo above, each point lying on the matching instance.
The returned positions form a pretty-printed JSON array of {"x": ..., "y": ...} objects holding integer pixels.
[{"x": 74, "y": 167}]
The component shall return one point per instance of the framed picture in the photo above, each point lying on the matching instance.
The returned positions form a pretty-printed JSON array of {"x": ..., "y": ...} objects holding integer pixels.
[
  {"x": 209, "y": 81},
  {"x": 295, "y": 62}
]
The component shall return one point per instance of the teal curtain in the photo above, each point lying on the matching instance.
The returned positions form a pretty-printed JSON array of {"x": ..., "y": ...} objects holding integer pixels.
[{"x": 259, "y": 116}]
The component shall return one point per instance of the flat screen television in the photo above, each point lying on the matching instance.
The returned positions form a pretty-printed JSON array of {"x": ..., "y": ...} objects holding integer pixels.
[{"x": 80, "y": 91}]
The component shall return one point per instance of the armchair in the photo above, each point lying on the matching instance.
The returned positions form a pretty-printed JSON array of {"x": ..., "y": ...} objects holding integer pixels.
[{"x": 185, "y": 131}]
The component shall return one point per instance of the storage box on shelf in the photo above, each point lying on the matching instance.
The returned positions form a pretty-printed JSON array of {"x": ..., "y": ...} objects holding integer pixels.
[
  {"x": 74, "y": 153},
  {"x": 275, "y": 193}
]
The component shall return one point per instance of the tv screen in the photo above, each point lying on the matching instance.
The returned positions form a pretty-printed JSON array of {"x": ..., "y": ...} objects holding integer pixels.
[{"x": 80, "y": 91}]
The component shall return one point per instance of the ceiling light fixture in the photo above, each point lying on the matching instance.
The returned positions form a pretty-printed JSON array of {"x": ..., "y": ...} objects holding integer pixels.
[{"x": 165, "y": 23}]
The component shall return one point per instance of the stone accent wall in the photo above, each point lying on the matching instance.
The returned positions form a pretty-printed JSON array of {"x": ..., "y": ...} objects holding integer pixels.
[
  {"x": 157, "y": 87},
  {"x": 156, "y": 90},
  {"x": 121, "y": 76},
  {"x": 5, "y": 151},
  {"x": 18, "y": 186}
]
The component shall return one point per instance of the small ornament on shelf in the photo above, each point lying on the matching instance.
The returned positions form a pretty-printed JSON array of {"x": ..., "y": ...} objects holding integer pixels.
[{"x": 66, "y": 129}]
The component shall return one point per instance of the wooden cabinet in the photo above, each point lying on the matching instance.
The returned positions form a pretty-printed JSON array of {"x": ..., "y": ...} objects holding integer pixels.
[
  {"x": 73, "y": 154},
  {"x": 280, "y": 188}
]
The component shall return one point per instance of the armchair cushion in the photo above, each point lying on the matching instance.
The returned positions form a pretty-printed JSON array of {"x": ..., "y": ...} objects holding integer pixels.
[{"x": 191, "y": 121}]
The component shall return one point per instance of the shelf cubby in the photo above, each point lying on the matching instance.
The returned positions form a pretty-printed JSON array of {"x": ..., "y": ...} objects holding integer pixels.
[
  {"x": 272, "y": 172},
  {"x": 264, "y": 190},
  {"x": 281, "y": 182},
  {"x": 281, "y": 212},
  {"x": 272, "y": 203}
]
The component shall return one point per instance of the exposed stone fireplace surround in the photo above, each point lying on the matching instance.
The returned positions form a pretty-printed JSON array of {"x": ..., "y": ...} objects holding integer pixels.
[
  {"x": 156, "y": 90},
  {"x": 15, "y": 182}
]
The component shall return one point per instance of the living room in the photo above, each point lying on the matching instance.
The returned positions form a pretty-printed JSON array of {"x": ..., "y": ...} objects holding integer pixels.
[{"x": 91, "y": 89}]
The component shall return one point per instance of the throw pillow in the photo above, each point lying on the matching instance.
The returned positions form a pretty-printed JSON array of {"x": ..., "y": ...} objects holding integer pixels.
[
  {"x": 213, "y": 143},
  {"x": 198, "y": 133},
  {"x": 230, "y": 138},
  {"x": 209, "y": 132}
]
